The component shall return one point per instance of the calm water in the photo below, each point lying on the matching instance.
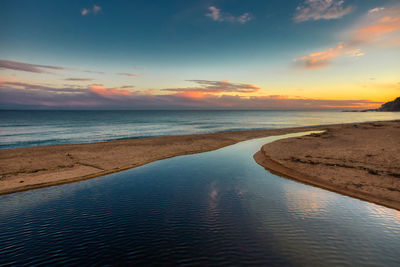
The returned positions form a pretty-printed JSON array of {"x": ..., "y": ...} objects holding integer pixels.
[
  {"x": 213, "y": 208},
  {"x": 33, "y": 128}
]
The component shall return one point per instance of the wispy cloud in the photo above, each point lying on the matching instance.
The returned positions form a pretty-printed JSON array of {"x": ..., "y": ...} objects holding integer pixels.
[
  {"x": 207, "y": 87},
  {"x": 381, "y": 25},
  {"x": 376, "y": 9},
  {"x": 128, "y": 74},
  {"x": 322, "y": 59},
  {"x": 93, "y": 10},
  {"x": 321, "y": 9},
  {"x": 37, "y": 87},
  {"x": 37, "y": 68},
  {"x": 21, "y": 66},
  {"x": 96, "y": 9},
  {"x": 97, "y": 96},
  {"x": 355, "y": 53},
  {"x": 93, "y": 71},
  {"x": 216, "y": 15},
  {"x": 79, "y": 79}
]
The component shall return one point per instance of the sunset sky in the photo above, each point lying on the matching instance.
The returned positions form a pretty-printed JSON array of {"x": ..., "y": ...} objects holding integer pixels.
[{"x": 304, "y": 54}]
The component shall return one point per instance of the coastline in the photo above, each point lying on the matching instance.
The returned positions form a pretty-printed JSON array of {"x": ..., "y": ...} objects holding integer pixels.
[
  {"x": 357, "y": 160},
  {"x": 46, "y": 166},
  {"x": 29, "y": 168}
]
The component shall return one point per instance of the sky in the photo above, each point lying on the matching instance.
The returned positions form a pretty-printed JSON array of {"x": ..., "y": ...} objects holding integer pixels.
[{"x": 179, "y": 54}]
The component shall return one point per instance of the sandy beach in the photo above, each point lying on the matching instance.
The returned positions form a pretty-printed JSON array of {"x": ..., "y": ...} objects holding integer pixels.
[
  {"x": 359, "y": 160},
  {"x": 34, "y": 167}
]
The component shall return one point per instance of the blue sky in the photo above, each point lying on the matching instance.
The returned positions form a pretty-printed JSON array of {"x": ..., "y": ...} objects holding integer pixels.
[{"x": 166, "y": 43}]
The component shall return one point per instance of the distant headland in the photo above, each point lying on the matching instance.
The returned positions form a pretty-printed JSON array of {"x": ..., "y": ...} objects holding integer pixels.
[
  {"x": 388, "y": 106},
  {"x": 391, "y": 106}
]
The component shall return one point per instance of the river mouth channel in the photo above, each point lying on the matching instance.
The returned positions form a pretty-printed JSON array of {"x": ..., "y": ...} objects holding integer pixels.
[{"x": 213, "y": 208}]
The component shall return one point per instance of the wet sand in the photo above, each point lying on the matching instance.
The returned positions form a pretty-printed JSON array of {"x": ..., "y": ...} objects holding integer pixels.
[
  {"x": 34, "y": 167},
  {"x": 359, "y": 160}
]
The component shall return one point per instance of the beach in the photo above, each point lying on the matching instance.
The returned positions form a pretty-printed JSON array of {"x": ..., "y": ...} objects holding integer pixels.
[
  {"x": 359, "y": 160},
  {"x": 34, "y": 167},
  {"x": 354, "y": 159},
  {"x": 262, "y": 133}
]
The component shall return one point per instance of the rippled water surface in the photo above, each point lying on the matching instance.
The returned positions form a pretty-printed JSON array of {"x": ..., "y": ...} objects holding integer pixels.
[
  {"x": 213, "y": 208},
  {"x": 37, "y": 128}
]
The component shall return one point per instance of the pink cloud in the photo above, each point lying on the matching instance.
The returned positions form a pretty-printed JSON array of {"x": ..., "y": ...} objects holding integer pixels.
[
  {"x": 111, "y": 92},
  {"x": 382, "y": 25},
  {"x": 84, "y": 11},
  {"x": 215, "y": 13},
  {"x": 97, "y": 96},
  {"x": 93, "y": 10},
  {"x": 96, "y": 9}
]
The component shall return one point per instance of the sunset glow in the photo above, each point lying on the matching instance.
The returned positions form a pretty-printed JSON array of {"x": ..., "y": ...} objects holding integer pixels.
[{"x": 263, "y": 55}]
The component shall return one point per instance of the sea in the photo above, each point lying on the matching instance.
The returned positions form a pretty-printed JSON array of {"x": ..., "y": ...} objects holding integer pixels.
[{"x": 26, "y": 128}]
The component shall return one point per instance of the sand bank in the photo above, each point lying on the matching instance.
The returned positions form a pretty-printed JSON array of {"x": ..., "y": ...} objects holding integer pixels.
[
  {"x": 359, "y": 160},
  {"x": 34, "y": 167}
]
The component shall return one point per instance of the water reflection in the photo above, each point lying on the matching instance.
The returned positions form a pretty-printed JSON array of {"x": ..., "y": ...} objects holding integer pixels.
[
  {"x": 306, "y": 202},
  {"x": 391, "y": 215},
  {"x": 214, "y": 208}
]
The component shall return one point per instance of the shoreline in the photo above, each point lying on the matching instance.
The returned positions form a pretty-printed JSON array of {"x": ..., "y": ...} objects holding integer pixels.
[
  {"x": 44, "y": 166},
  {"x": 325, "y": 161},
  {"x": 28, "y": 168}
]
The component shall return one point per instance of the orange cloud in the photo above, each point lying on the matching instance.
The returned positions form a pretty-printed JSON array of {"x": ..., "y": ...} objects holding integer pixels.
[
  {"x": 191, "y": 94},
  {"x": 212, "y": 88},
  {"x": 380, "y": 25},
  {"x": 319, "y": 60},
  {"x": 278, "y": 97},
  {"x": 20, "y": 94},
  {"x": 101, "y": 90}
]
